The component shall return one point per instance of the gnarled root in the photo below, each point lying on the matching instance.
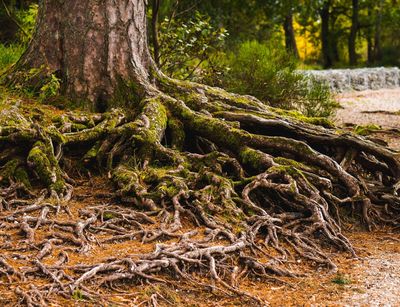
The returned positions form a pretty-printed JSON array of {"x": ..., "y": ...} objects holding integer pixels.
[{"x": 231, "y": 186}]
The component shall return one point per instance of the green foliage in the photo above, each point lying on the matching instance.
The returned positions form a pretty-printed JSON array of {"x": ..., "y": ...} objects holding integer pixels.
[
  {"x": 38, "y": 81},
  {"x": 267, "y": 72},
  {"x": 78, "y": 295},
  {"x": 9, "y": 55},
  {"x": 341, "y": 279},
  {"x": 367, "y": 129},
  {"x": 50, "y": 88},
  {"x": 27, "y": 21},
  {"x": 186, "y": 44}
]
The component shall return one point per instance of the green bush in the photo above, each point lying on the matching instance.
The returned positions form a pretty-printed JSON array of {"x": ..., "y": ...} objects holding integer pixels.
[
  {"x": 267, "y": 72},
  {"x": 185, "y": 45},
  {"x": 9, "y": 55},
  {"x": 27, "y": 21}
]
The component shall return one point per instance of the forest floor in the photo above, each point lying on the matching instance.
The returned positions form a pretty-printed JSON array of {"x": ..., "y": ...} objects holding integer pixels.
[
  {"x": 377, "y": 275},
  {"x": 371, "y": 280}
]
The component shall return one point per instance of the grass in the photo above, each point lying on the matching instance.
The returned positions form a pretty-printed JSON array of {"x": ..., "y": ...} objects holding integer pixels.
[
  {"x": 341, "y": 279},
  {"x": 367, "y": 129},
  {"x": 9, "y": 54}
]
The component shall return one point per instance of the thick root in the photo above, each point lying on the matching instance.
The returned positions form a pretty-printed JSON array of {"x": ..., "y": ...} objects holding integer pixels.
[{"x": 231, "y": 186}]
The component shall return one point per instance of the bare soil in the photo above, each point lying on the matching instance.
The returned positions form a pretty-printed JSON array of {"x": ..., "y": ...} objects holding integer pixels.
[
  {"x": 370, "y": 107},
  {"x": 376, "y": 276}
]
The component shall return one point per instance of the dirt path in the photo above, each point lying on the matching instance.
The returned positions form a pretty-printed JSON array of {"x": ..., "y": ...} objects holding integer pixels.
[
  {"x": 377, "y": 279},
  {"x": 377, "y": 274},
  {"x": 356, "y": 104}
]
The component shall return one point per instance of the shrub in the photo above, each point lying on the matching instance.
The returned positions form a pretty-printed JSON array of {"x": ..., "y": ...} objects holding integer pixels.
[
  {"x": 186, "y": 44},
  {"x": 27, "y": 21},
  {"x": 267, "y": 72},
  {"x": 9, "y": 55}
]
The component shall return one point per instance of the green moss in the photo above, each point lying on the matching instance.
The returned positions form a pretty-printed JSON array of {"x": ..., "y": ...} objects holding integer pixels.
[
  {"x": 46, "y": 166},
  {"x": 287, "y": 169},
  {"x": 367, "y": 129},
  {"x": 22, "y": 176},
  {"x": 212, "y": 128},
  {"x": 13, "y": 170},
  {"x": 8, "y": 170},
  {"x": 92, "y": 153},
  {"x": 291, "y": 114},
  {"x": 289, "y": 162},
  {"x": 177, "y": 133},
  {"x": 341, "y": 279},
  {"x": 168, "y": 190},
  {"x": 252, "y": 157},
  {"x": 108, "y": 216}
]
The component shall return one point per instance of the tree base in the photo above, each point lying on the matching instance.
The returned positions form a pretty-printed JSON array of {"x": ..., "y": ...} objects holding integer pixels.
[{"x": 262, "y": 186}]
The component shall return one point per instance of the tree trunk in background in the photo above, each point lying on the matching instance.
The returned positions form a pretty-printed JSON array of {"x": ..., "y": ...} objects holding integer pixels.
[
  {"x": 290, "y": 37},
  {"x": 95, "y": 47},
  {"x": 8, "y": 29},
  {"x": 370, "y": 47},
  {"x": 154, "y": 30},
  {"x": 8, "y": 25},
  {"x": 326, "y": 35},
  {"x": 353, "y": 33},
  {"x": 377, "y": 38}
]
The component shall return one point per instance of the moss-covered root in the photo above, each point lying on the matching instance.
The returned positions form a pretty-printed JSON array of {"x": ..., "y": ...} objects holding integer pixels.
[
  {"x": 15, "y": 171},
  {"x": 42, "y": 160},
  {"x": 131, "y": 188}
]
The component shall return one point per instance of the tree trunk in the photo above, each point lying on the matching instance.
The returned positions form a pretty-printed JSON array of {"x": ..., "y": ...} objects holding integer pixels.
[
  {"x": 326, "y": 35},
  {"x": 96, "y": 47},
  {"x": 353, "y": 33},
  {"x": 290, "y": 37},
  {"x": 377, "y": 36},
  {"x": 369, "y": 29},
  {"x": 154, "y": 30}
]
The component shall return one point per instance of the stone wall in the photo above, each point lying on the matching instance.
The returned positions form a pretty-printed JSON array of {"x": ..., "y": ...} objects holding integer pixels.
[{"x": 343, "y": 80}]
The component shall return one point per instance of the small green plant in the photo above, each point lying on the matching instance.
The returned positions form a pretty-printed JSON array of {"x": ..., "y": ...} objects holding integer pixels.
[
  {"x": 268, "y": 72},
  {"x": 108, "y": 216},
  {"x": 78, "y": 295},
  {"x": 341, "y": 279},
  {"x": 367, "y": 129},
  {"x": 50, "y": 88},
  {"x": 9, "y": 54},
  {"x": 37, "y": 82}
]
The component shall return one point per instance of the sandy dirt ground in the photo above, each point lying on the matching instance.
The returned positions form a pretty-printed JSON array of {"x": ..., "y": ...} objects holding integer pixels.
[
  {"x": 377, "y": 282},
  {"x": 370, "y": 107}
]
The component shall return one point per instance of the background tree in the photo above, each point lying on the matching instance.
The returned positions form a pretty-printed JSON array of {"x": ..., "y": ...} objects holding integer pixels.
[{"x": 353, "y": 32}]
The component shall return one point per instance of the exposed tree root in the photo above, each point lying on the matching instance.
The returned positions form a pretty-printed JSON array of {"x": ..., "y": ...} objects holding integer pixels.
[{"x": 258, "y": 187}]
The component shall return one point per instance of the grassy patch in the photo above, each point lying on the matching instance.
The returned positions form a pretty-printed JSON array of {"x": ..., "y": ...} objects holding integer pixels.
[
  {"x": 367, "y": 129},
  {"x": 341, "y": 279},
  {"x": 9, "y": 54}
]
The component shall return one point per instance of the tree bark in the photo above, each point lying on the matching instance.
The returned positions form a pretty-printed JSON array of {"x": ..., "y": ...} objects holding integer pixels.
[
  {"x": 353, "y": 33},
  {"x": 154, "y": 30},
  {"x": 96, "y": 47},
  {"x": 377, "y": 35},
  {"x": 290, "y": 37},
  {"x": 326, "y": 34}
]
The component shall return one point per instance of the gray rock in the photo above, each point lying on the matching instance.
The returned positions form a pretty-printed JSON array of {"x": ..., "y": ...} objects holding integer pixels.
[{"x": 360, "y": 79}]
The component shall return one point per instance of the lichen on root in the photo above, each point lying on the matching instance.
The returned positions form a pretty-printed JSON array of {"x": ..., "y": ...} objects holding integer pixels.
[{"x": 256, "y": 181}]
